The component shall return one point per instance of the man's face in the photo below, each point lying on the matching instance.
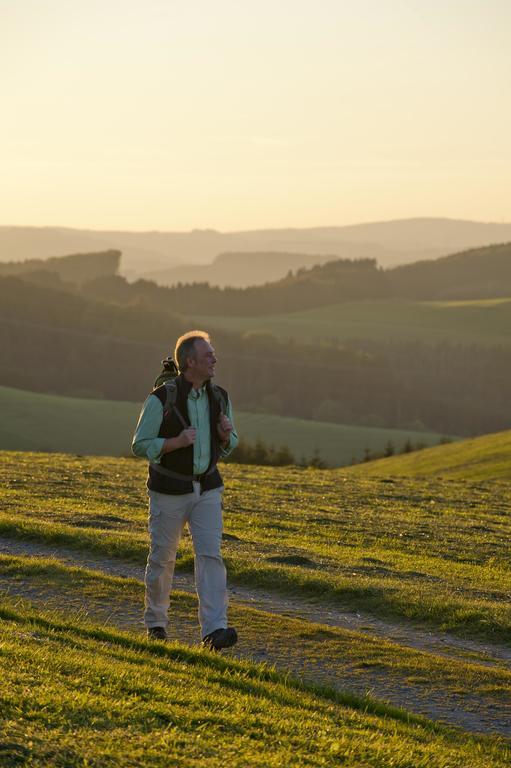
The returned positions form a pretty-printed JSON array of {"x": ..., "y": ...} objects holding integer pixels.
[{"x": 203, "y": 366}]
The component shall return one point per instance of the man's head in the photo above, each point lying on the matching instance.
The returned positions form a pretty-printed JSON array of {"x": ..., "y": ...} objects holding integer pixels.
[{"x": 195, "y": 356}]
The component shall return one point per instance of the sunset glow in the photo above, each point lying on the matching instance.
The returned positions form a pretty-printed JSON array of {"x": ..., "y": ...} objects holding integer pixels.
[{"x": 166, "y": 115}]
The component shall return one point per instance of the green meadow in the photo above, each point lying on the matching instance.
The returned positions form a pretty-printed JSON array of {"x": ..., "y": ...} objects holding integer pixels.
[
  {"x": 427, "y": 550},
  {"x": 478, "y": 321},
  {"x": 480, "y": 458},
  {"x": 82, "y": 686},
  {"x": 322, "y": 652},
  {"x": 86, "y": 695},
  {"x": 41, "y": 422}
]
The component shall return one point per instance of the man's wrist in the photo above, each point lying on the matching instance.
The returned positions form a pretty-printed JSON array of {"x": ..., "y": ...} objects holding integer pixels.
[{"x": 170, "y": 444}]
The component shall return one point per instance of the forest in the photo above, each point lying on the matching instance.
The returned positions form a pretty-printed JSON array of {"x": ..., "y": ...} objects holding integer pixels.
[
  {"x": 63, "y": 342},
  {"x": 477, "y": 274},
  {"x": 480, "y": 273}
]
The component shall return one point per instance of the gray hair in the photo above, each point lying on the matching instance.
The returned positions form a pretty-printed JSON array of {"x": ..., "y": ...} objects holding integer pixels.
[{"x": 185, "y": 347}]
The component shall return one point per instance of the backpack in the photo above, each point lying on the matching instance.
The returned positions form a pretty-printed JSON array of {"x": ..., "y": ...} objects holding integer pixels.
[
  {"x": 168, "y": 377},
  {"x": 169, "y": 372}
]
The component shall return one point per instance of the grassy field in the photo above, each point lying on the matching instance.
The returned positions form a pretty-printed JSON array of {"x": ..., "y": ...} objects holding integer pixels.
[
  {"x": 431, "y": 550},
  {"x": 480, "y": 458},
  {"x": 77, "y": 690},
  {"x": 39, "y": 422},
  {"x": 100, "y": 697},
  {"x": 481, "y": 322},
  {"x": 115, "y": 599}
]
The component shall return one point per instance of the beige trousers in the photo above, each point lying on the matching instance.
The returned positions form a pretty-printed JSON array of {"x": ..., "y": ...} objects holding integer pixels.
[{"x": 168, "y": 516}]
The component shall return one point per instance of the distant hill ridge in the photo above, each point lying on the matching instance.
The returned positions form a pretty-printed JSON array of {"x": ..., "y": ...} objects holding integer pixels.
[
  {"x": 77, "y": 268},
  {"x": 241, "y": 269},
  {"x": 105, "y": 427},
  {"x": 73, "y": 342},
  {"x": 475, "y": 274},
  {"x": 482, "y": 273},
  {"x": 478, "y": 273},
  {"x": 151, "y": 254}
]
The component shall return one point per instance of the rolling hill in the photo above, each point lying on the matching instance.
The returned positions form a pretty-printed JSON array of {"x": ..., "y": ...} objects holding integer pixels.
[
  {"x": 40, "y": 422},
  {"x": 81, "y": 345},
  {"x": 484, "y": 273},
  {"x": 37, "y": 422},
  {"x": 246, "y": 268},
  {"x": 148, "y": 253},
  {"x": 481, "y": 458},
  {"x": 429, "y": 552},
  {"x": 100, "y": 696},
  {"x": 426, "y": 559},
  {"x": 77, "y": 268},
  {"x": 478, "y": 273},
  {"x": 486, "y": 322}
]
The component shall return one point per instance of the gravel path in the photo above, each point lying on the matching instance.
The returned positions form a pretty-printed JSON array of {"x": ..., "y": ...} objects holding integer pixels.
[
  {"x": 469, "y": 712},
  {"x": 309, "y": 610}
]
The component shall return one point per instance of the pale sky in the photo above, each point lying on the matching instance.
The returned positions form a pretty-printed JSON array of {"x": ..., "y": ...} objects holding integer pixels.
[{"x": 154, "y": 114}]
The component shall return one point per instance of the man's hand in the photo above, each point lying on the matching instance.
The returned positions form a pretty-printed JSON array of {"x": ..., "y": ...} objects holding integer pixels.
[
  {"x": 183, "y": 440},
  {"x": 187, "y": 437},
  {"x": 224, "y": 428}
]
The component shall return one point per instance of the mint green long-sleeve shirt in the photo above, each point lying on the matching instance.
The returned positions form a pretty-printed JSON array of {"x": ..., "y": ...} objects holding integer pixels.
[{"x": 147, "y": 444}]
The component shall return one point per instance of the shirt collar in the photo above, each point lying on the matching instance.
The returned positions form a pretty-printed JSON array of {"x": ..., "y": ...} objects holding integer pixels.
[
  {"x": 190, "y": 391},
  {"x": 196, "y": 394}
]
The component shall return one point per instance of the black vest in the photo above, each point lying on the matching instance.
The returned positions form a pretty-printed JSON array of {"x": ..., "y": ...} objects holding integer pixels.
[{"x": 181, "y": 460}]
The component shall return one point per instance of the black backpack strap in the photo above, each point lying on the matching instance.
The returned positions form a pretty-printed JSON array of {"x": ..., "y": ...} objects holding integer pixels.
[
  {"x": 170, "y": 402},
  {"x": 170, "y": 395},
  {"x": 178, "y": 475},
  {"x": 219, "y": 396}
]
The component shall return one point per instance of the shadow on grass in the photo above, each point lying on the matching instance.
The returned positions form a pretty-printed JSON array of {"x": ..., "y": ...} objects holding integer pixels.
[
  {"x": 474, "y": 619},
  {"x": 243, "y": 676}
]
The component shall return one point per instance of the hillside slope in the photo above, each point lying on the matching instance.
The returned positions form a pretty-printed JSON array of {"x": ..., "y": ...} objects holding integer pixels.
[
  {"x": 474, "y": 274},
  {"x": 40, "y": 422},
  {"x": 433, "y": 551},
  {"x": 486, "y": 322},
  {"x": 245, "y": 268},
  {"x": 483, "y": 273},
  {"x": 100, "y": 694},
  {"x": 391, "y": 242},
  {"x": 103, "y": 697},
  {"x": 481, "y": 458},
  {"x": 59, "y": 342},
  {"x": 77, "y": 268}
]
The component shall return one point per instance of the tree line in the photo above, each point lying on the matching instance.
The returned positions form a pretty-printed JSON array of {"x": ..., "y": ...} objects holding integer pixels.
[
  {"x": 53, "y": 341},
  {"x": 480, "y": 273},
  {"x": 76, "y": 269}
]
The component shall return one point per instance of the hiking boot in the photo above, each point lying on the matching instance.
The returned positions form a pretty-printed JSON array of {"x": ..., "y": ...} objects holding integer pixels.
[
  {"x": 156, "y": 633},
  {"x": 220, "y": 638}
]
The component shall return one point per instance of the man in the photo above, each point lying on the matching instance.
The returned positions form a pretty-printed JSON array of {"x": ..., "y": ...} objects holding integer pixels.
[{"x": 183, "y": 445}]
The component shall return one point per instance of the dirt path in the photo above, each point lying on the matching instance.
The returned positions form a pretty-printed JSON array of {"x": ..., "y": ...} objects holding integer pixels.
[
  {"x": 469, "y": 712},
  {"x": 414, "y": 637}
]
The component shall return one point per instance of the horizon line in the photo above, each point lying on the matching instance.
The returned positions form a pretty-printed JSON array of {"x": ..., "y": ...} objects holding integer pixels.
[{"x": 212, "y": 230}]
